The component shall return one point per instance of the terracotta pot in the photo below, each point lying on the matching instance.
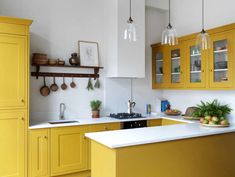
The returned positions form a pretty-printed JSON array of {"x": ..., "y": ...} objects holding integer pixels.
[{"x": 96, "y": 114}]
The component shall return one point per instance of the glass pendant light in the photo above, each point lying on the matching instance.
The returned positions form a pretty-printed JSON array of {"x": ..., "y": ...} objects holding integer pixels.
[
  {"x": 169, "y": 35},
  {"x": 130, "y": 30},
  {"x": 203, "y": 38}
]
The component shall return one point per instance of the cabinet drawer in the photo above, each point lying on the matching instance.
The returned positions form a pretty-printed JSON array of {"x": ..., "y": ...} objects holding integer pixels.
[
  {"x": 156, "y": 122},
  {"x": 105, "y": 127}
]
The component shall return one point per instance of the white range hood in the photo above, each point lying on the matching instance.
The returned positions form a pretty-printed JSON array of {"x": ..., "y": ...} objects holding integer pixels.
[{"x": 124, "y": 59}]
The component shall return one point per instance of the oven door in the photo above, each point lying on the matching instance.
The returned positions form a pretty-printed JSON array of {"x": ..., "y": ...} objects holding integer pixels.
[{"x": 134, "y": 124}]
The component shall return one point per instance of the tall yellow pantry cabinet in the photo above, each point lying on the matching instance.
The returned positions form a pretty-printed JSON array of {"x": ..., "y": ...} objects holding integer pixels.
[{"x": 14, "y": 79}]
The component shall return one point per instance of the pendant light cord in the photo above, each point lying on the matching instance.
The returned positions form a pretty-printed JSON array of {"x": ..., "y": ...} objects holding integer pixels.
[
  {"x": 130, "y": 8},
  {"x": 203, "y": 16},
  {"x": 169, "y": 11}
]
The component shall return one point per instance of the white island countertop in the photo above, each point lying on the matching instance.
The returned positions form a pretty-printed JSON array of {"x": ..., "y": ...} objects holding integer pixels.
[{"x": 140, "y": 136}]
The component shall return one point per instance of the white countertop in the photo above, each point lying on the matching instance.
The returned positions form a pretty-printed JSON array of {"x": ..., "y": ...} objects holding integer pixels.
[
  {"x": 132, "y": 137},
  {"x": 102, "y": 120}
]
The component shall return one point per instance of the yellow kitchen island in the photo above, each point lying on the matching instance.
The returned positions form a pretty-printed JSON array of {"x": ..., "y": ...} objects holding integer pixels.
[{"x": 186, "y": 150}]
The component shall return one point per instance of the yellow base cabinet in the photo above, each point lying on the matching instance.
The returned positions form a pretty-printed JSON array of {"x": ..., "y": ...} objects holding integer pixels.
[
  {"x": 13, "y": 143},
  {"x": 39, "y": 153},
  {"x": 163, "y": 122},
  {"x": 62, "y": 152},
  {"x": 68, "y": 150},
  {"x": 191, "y": 68},
  {"x": 99, "y": 128}
]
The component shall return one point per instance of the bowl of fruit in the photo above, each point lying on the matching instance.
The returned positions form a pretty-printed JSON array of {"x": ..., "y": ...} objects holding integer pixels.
[
  {"x": 173, "y": 112},
  {"x": 213, "y": 114}
]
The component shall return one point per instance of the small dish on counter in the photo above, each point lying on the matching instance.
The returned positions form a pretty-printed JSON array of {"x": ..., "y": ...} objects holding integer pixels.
[{"x": 173, "y": 112}]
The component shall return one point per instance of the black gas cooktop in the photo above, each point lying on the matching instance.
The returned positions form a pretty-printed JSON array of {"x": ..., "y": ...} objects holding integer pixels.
[{"x": 126, "y": 115}]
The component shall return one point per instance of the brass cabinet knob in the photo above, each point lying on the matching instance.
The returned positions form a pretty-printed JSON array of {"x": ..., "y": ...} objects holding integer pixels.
[
  {"x": 203, "y": 70},
  {"x": 22, "y": 100},
  {"x": 106, "y": 128},
  {"x": 22, "y": 118},
  {"x": 45, "y": 137}
]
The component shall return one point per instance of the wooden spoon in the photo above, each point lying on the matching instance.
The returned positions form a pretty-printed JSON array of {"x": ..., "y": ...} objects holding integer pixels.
[
  {"x": 72, "y": 84},
  {"x": 45, "y": 91},
  {"x": 54, "y": 87},
  {"x": 63, "y": 86}
]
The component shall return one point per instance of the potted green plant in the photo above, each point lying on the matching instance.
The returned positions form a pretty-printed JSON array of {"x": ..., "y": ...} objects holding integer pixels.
[{"x": 95, "y": 108}]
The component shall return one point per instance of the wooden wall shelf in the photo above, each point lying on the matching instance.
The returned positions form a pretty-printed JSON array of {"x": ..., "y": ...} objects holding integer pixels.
[{"x": 94, "y": 75}]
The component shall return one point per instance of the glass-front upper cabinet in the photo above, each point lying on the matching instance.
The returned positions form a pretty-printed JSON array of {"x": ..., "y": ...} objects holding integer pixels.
[
  {"x": 195, "y": 70},
  {"x": 159, "y": 66},
  {"x": 176, "y": 66},
  {"x": 221, "y": 62}
]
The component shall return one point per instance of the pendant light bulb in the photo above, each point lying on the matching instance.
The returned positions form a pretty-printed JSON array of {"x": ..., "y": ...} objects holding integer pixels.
[
  {"x": 130, "y": 29},
  {"x": 169, "y": 35},
  {"x": 203, "y": 41}
]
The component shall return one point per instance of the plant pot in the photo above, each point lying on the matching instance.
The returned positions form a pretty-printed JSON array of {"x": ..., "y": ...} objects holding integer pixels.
[{"x": 96, "y": 114}]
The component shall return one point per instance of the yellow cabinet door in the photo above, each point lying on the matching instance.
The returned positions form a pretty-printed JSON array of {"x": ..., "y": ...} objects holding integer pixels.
[
  {"x": 13, "y": 71},
  {"x": 39, "y": 153},
  {"x": 221, "y": 62},
  {"x": 68, "y": 150},
  {"x": 176, "y": 66},
  {"x": 195, "y": 65},
  {"x": 12, "y": 144},
  {"x": 160, "y": 70}
]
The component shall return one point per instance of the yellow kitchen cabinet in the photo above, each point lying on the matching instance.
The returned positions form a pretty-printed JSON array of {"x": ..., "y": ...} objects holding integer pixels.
[
  {"x": 13, "y": 136},
  {"x": 160, "y": 69},
  {"x": 221, "y": 61},
  {"x": 14, "y": 61},
  {"x": 163, "y": 122},
  {"x": 196, "y": 62},
  {"x": 176, "y": 66},
  {"x": 99, "y": 128},
  {"x": 14, "y": 76},
  {"x": 155, "y": 122},
  {"x": 69, "y": 150},
  {"x": 104, "y": 127},
  {"x": 170, "y": 122},
  {"x": 211, "y": 69},
  {"x": 39, "y": 153}
]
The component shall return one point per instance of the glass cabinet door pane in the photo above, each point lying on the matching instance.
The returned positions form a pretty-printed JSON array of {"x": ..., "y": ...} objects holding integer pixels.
[
  {"x": 159, "y": 67},
  {"x": 195, "y": 65},
  {"x": 220, "y": 61},
  {"x": 175, "y": 66}
]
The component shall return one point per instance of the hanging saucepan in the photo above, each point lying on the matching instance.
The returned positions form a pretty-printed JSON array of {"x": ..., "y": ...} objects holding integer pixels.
[
  {"x": 63, "y": 86},
  {"x": 54, "y": 87},
  {"x": 72, "y": 84},
  {"x": 45, "y": 91}
]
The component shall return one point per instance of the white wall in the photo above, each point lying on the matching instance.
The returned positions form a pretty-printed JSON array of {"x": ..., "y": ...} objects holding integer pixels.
[
  {"x": 186, "y": 18},
  {"x": 118, "y": 91},
  {"x": 58, "y": 25}
]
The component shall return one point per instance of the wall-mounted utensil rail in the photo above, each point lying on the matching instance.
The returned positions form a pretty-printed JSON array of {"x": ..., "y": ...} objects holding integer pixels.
[{"x": 94, "y": 75}]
